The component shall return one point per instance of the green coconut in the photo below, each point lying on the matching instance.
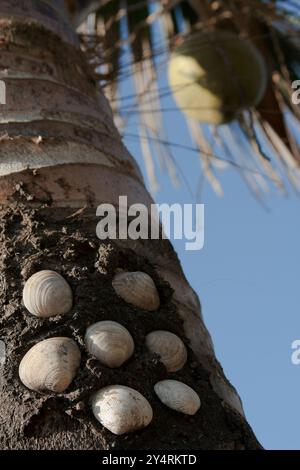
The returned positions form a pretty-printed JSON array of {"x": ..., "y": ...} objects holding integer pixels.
[{"x": 214, "y": 76}]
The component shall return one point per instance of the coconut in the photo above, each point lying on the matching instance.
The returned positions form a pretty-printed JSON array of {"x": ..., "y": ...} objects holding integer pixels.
[{"x": 214, "y": 76}]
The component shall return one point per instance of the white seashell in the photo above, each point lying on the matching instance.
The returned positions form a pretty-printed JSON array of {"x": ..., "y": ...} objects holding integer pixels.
[
  {"x": 137, "y": 288},
  {"x": 50, "y": 365},
  {"x": 110, "y": 342},
  {"x": 121, "y": 409},
  {"x": 46, "y": 294},
  {"x": 178, "y": 396},
  {"x": 169, "y": 347}
]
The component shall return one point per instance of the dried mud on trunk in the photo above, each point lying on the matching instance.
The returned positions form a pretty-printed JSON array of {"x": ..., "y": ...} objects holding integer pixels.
[{"x": 47, "y": 238}]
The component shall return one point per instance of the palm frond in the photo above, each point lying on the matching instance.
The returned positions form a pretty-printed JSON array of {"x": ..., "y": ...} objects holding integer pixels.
[{"x": 130, "y": 41}]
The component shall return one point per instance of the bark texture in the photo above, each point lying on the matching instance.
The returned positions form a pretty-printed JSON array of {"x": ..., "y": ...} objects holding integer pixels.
[
  {"x": 34, "y": 239},
  {"x": 59, "y": 152}
]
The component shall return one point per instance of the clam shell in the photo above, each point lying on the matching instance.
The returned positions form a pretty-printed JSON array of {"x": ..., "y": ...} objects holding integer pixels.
[
  {"x": 169, "y": 347},
  {"x": 50, "y": 365},
  {"x": 46, "y": 294},
  {"x": 121, "y": 409},
  {"x": 110, "y": 342},
  {"x": 137, "y": 288},
  {"x": 178, "y": 396}
]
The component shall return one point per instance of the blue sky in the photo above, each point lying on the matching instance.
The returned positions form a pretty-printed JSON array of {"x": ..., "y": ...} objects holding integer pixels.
[{"x": 247, "y": 279}]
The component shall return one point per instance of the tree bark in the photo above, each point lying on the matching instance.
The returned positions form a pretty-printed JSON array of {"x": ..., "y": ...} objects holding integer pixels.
[{"x": 61, "y": 156}]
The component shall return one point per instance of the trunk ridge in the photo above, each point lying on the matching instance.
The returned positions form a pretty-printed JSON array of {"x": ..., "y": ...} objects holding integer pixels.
[{"x": 60, "y": 151}]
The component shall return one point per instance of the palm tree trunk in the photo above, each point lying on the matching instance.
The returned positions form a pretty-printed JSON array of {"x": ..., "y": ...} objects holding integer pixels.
[{"x": 61, "y": 156}]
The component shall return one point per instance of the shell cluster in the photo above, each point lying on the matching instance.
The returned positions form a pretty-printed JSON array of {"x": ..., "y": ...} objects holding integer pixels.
[{"x": 51, "y": 365}]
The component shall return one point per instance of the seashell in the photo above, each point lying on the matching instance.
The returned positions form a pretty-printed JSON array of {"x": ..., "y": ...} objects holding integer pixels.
[
  {"x": 121, "y": 409},
  {"x": 137, "y": 288},
  {"x": 178, "y": 396},
  {"x": 169, "y": 347},
  {"x": 50, "y": 365},
  {"x": 46, "y": 294},
  {"x": 110, "y": 342}
]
